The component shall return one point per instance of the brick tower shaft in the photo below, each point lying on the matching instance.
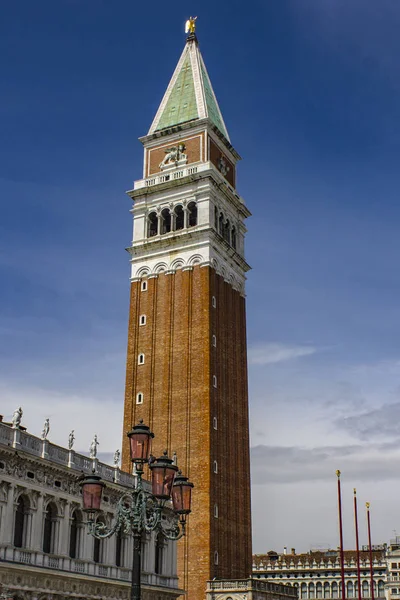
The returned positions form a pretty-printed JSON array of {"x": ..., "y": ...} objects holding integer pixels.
[{"x": 187, "y": 362}]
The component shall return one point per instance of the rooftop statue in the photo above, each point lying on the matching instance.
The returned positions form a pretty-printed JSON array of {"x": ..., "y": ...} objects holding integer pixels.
[
  {"x": 71, "y": 439},
  {"x": 17, "y": 416},
  {"x": 117, "y": 456},
  {"x": 190, "y": 25},
  {"x": 46, "y": 429},
  {"x": 93, "y": 447}
]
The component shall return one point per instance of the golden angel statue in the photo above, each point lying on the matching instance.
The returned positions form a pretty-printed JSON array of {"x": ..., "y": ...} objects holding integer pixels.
[{"x": 190, "y": 25}]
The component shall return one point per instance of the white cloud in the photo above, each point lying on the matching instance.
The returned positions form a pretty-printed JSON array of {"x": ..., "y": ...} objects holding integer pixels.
[{"x": 270, "y": 353}]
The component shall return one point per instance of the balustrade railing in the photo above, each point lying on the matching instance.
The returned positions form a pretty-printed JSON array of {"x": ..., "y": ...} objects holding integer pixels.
[
  {"x": 35, "y": 558},
  {"x": 34, "y": 445}
]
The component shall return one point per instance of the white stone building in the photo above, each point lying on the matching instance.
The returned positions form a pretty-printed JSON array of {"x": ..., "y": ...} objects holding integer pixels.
[
  {"x": 392, "y": 587},
  {"x": 45, "y": 551},
  {"x": 317, "y": 574}
]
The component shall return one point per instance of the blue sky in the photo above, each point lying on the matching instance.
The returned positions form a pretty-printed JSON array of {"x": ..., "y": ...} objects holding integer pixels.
[{"x": 310, "y": 93}]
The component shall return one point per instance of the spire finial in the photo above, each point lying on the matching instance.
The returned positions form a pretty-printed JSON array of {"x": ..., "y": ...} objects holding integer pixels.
[{"x": 190, "y": 26}]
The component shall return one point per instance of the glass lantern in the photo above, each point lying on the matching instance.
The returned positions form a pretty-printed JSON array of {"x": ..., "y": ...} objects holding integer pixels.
[
  {"x": 92, "y": 489},
  {"x": 163, "y": 475},
  {"x": 139, "y": 442},
  {"x": 182, "y": 494}
]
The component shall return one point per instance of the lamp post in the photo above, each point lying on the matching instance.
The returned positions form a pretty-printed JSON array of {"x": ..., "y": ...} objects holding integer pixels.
[{"x": 137, "y": 510}]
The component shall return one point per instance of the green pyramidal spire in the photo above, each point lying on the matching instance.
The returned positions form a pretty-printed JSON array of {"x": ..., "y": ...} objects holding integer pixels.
[{"x": 189, "y": 95}]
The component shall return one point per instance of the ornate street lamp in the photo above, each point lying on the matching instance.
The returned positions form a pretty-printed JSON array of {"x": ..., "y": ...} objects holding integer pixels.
[{"x": 137, "y": 510}]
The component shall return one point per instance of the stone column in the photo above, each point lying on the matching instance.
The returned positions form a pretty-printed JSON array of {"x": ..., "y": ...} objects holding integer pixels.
[
  {"x": 8, "y": 517},
  {"x": 64, "y": 531},
  {"x": 185, "y": 217},
  {"x": 37, "y": 529}
]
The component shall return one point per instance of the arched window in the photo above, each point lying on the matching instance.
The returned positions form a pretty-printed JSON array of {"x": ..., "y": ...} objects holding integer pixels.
[
  {"x": 233, "y": 238},
  {"x": 311, "y": 591},
  {"x": 141, "y": 359},
  {"x": 20, "y": 522},
  {"x": 381, "y": 589},
  {"x": 139, "y": 398},
  {"x": 303, "y": 590},
  {"x": 214, "y": 340},
  {"x": 327, "y": 591},
  {"x": 98, "y": 546},
  {"x": 215, "y": 466},
  {"x": 334, "y": 590},
  {"x": 142, "y": 320},
  {"x": 365, "y": 589},
  {"x": 179, "y": 218},
  {"x": 75, "y": 533},
  {"x": 350, "y": 589},
  {"x": 166, "y": 221},
  {"x": 192, "y": 210},
  {"x": 143, "y": 287},
  {"x": 153, "y": 224},
  {"x": 49, "y": 528},
  {"x": 221, "y": 224},
  {"x": 119, "y": 550},
  {"x": 215, "y": 558},
  {"x": 319, "y": 589},
  {"x": 216, "y": 511},
  {"x": 227, "y": 232},
  {"x": 159, "y": 554},
  {"x": 214, "y": 302},
  {"x": 215, "y": 423}
]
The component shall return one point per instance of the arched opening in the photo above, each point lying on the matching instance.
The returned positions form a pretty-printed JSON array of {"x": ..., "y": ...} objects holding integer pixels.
[
  {"x": 311, "y": 591},
  {"x": 165, "y": 221},
  {"x": 326, "y": 590},
  {"x": 179, "y": 218},
  {"x": 74, "y": 534},
  {"x": 227, "y": 232},
  {"x": 20, "y": 522},
  {"x": 233, "y": 238},
  {"x": 365, "y": 589},
  {"x": 350, "y": 589},
  {"x": 221, "y": 224},
  {"x": 334, "y": 590},
  {"x": 381, "y": 589},
  {"x": 319, "y": 590},
  {"x": 192, "y": 210},
  {"x": 49, "y": 528},
  {"x": 153, "y": 224},
  {"x": 216, "y": 218},
  {"x": 303, "y": 590},
  {"x": 159, "y": 550}
]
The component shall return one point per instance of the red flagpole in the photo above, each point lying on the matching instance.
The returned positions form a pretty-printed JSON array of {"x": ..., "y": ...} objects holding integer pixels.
[
  {"x": 357, "y": 545},
  {"x": 341, "y": 536},
  {"x": 371, "y": 566}
]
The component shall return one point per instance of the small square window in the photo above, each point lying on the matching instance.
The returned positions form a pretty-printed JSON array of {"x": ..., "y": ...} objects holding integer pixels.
[
  {"x": 142, "y": 320},
  {"x": 139, "y": 398},
  {"x": 214, "y": 302},
  {"x": 143, "y": 287}
]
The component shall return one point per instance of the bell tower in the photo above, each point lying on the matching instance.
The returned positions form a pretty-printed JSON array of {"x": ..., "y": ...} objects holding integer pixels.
[{"x": 186, "y": 373}]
